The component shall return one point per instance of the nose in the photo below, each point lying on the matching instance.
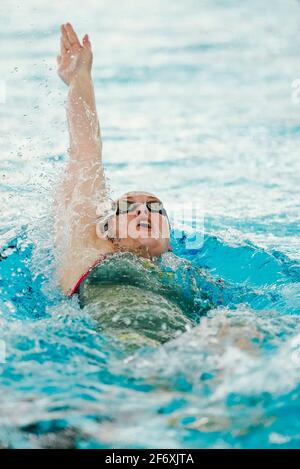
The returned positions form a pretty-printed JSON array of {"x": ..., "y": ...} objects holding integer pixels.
[{"x": 142, "y": 208}]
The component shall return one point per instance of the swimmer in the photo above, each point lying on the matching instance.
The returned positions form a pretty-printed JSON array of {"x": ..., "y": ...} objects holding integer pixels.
[
  {"x": 88, "y": 228},
  {"x": 110, "y": 253}
]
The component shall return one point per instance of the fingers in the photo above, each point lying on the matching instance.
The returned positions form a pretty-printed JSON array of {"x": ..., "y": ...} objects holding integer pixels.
[
  {"x": 86, "y": 41},
  {"x": 65, "y": 43},
  {"x": 72, "y": 36},
  {"x": 63, "y": 49}
]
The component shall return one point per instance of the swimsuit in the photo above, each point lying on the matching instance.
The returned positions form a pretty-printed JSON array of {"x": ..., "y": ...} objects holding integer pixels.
[
  {"x": 132, "y": 299},
  {"x": 98, "y": 261}
]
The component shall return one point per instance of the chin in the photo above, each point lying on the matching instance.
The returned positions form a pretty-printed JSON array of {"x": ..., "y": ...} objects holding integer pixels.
[{"x": 154, "y": 246}]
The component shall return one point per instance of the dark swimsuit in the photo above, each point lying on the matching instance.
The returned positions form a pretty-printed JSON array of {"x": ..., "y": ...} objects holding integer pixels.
[
  {"x": 131, "y": 297},
  {"x": 97, "y": 262}
]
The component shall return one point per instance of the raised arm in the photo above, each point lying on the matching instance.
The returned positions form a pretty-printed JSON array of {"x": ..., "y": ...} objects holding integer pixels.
[
  {"x": 83, "y": 186},
  {"x": 74, "y": 68}
]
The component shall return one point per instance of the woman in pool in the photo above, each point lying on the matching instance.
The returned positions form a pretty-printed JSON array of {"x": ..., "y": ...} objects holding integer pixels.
[
  {"x": 105, "y": 252},
  {"x": 138, "y": 223},
  {"x": 111, "y": 254}
]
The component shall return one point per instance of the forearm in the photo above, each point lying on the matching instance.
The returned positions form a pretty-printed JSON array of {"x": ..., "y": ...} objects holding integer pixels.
[
  {"x": 83, "y": 123},
  {"x": 84, "y": 180}
]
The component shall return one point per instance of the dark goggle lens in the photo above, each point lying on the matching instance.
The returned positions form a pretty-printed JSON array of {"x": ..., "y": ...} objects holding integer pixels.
[
  {"x": 156, "y": 207},
  {"x": 124, "y": 207}
]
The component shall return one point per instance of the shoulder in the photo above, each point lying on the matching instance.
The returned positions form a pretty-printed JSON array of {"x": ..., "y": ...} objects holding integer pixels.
[{"x": 77, "y": 261}]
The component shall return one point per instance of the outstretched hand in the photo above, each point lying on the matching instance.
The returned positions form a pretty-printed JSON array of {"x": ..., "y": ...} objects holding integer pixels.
[{"x": 75, "y": 58}]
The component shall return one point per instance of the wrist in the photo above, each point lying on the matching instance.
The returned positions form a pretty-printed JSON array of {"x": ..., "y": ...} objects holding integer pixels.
[{"x": 82, "y": 76}]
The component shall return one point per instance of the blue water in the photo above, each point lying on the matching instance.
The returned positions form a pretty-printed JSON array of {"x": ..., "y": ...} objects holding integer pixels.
[{"x": 195, "y": 103}]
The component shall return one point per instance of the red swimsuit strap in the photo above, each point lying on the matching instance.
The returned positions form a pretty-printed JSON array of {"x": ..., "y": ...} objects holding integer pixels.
[{"x": 77, "y": 284}]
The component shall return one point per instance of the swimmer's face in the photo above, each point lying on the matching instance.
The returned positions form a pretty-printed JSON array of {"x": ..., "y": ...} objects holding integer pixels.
[{"x": 141, "y": 222}]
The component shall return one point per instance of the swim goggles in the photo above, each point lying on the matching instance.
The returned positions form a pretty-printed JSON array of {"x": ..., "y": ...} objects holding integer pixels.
[{"x": 125, "y": 206}]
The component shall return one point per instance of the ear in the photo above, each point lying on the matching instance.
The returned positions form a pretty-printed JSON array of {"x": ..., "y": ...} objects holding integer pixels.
[{"x": 102, "y": 229}]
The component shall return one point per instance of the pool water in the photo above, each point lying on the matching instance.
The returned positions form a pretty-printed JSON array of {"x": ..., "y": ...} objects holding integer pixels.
[{"x": 196, "y": 104}]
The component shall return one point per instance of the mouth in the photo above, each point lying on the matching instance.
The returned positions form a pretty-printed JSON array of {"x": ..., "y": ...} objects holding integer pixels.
[{"x": 144, "y": 225}]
